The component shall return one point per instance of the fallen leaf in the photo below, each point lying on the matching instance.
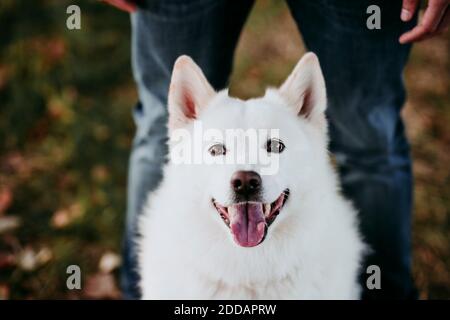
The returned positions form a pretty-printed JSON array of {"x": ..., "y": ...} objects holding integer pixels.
[
  {"x": 30, "y": 260},
  {"x": 27, "y": 259},
  {"x": 7, "y": 260},
  {"x": 6, "y": 197},
  {"x": 8, "y": 223},
  {"x": 109, "y": 262},
  {"x": 100, "y": 173},
  {"x": 4, "y": 291},
  {"x": 43, "y": 256},
  {"x": 64, "y": 217},
  {"x": 101, "y": 286}
]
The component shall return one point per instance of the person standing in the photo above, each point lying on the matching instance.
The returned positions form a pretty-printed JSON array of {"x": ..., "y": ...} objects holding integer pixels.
[{"x": 363, "y": 73}]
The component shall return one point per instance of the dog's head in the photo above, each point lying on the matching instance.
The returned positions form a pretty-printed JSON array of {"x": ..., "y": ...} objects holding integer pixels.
[{"x": 251, "y": 159}]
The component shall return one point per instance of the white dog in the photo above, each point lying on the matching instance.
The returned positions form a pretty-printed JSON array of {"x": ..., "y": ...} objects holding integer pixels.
[{"x": 223, "y": 229}]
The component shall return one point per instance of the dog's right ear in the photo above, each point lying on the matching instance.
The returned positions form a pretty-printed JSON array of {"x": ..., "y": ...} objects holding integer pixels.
[
  {"x": 189, "y": 92},
  {"x": 304, "y": 89}
]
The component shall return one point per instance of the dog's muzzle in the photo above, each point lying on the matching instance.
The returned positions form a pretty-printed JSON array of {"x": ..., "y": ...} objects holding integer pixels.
[{"x": 250, "y": 220}]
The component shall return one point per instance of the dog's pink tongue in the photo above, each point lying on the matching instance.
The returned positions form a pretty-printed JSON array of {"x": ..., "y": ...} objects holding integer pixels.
[{"x": 247, "y": 223}]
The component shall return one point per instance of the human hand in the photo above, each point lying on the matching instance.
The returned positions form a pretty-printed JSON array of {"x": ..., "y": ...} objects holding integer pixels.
[
  {"x": 126, "y": 5},
  {"x": 435, "y": 20}
]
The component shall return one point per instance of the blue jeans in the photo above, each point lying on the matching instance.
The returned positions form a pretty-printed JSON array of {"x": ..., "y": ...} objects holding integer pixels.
[{"x": 363, "y": 73}]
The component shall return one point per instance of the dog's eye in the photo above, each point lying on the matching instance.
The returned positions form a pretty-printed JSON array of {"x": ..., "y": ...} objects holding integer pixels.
[
  {"x": 217, "y": 150},
  {"x": 275, "y": 146}
]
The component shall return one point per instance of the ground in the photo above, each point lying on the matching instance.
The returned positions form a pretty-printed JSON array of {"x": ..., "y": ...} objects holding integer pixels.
[{"x": 66, "y": 130}]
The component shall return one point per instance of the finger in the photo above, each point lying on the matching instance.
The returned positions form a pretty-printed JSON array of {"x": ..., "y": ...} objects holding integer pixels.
[
  {"x": 445, "y": 22},
  {"x": 126, "y": 5},
  {"x": 408, "y": 9},
  {"x": 436, "y": 10},
  {"x": 428, "y": 24}
]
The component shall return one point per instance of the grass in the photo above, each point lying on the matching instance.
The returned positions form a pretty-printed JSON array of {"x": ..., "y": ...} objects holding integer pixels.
[{"x": 66, "y": 130}]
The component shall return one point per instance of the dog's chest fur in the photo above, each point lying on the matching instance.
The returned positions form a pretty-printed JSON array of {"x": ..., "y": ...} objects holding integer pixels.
[{"x": 310, "y": 259}]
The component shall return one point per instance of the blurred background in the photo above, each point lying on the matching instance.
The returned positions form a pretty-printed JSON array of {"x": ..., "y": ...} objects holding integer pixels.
[{"x": 66, "y": 129}]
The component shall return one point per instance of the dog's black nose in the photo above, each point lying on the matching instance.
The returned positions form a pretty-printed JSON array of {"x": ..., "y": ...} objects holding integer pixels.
[{"x": 246, "y": 183}]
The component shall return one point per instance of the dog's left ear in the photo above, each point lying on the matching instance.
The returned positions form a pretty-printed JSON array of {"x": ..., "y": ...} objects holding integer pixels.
[
  {"x": 189, "y": 92},
  {"x": 304, "y": 89}
]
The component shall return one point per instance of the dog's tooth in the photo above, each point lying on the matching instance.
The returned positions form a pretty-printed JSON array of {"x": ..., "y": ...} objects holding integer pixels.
[{"x": 266, "y": 209}]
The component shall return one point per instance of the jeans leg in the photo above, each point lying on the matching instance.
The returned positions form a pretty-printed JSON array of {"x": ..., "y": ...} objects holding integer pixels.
[
  {"x": 162, "y": 30},
  {"x": 363, "y": 73}
]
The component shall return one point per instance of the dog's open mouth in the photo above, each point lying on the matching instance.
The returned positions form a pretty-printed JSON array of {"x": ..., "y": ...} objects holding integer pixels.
[{"x": 249, "y": 221}]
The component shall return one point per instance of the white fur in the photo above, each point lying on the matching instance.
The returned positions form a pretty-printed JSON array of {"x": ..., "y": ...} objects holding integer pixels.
[{"x": 313, "y": 249}]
